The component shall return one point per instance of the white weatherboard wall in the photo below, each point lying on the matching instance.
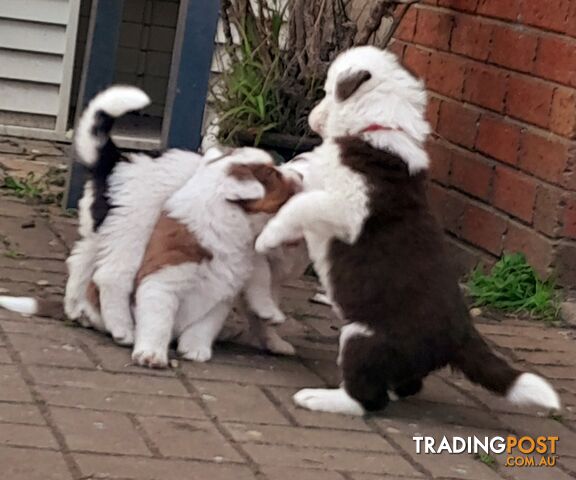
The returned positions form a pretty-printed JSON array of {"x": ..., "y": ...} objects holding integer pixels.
[{"x": 37, "y": 42}]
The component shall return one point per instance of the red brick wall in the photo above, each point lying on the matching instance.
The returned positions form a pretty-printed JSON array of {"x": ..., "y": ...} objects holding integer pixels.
[{"x": 502, "y": 81}]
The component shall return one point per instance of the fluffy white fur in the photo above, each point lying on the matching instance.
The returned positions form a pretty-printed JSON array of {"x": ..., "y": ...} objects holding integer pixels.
[
  {"x": 338, "y": 208},
  {"x": 531, "y": 389},
  {"x": 115, "y": 102},
  {"x": 334, "y": 400},
  {"x": 112, "y": 255},
  {"x": 190, "y": 302},
  {"x": 23, "y": 305},
  {"x": 392, "y": 98}
]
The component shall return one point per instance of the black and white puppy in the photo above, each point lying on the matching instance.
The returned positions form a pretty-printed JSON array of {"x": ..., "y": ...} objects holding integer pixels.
[{"x": 378, "y": 250}]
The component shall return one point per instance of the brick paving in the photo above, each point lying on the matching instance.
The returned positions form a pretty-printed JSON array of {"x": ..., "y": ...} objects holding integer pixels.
[{"x": 72, "y": 406}]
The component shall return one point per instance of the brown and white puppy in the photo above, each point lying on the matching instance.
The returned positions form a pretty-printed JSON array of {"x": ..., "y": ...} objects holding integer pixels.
[
  {"x": 378, "y": 250},
  {"x": 122, "y": 202},
  {"x": 200, "y": 255}
]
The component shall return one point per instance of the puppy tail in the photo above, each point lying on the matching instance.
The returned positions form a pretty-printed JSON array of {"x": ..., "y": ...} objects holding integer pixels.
[
  {"x": 481, "y": 365},
  {"x": 92, "y": 141},
  {"x": 33, "y": 306}
]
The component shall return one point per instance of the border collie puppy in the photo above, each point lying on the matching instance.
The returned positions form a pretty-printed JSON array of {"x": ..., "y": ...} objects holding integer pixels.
[
  {"x": 201, "y": 254},
  {"x": 378, "y": 250},
  {"x": 123, "y": 198}
]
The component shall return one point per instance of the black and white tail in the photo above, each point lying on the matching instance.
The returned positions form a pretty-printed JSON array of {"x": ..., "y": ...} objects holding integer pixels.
[
  {"x": 481, "y": 365},
  {"x": 33, "y": 306},
  {"x": 92, "y": 135},
  {"x": 96, "y": 150}
]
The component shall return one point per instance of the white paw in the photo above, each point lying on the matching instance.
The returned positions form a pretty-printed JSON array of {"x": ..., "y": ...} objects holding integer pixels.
[
  {"x": 280, "y": 346},
  {"x": 328, "y": 400},
  {"x": 198, "y": 354},
  {"x": 123, "y": 336},
  {"x": 269, "y": 239},
  {"x": 72, "y": 308},
  {"x": 392, "y": 396},
  {"x": 150, "y": 358},
  {"x": 271, "y": 315}
]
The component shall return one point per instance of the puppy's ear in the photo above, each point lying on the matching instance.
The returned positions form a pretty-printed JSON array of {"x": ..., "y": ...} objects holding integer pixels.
[
  {"x": 348, "y": 83},
  {"x": 242, "y": 185}
]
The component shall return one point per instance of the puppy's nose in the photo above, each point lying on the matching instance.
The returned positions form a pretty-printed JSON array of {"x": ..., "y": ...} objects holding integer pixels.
[{"x": 316, "y": 122}]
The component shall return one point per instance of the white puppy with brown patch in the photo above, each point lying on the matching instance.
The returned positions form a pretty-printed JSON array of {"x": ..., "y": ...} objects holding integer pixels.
[
  {"x": 201, "y": 254},
  {"x": 122, "y": 201}
]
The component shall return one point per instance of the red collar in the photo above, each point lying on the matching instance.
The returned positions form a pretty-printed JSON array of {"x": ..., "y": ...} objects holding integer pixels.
[{"x": 375, "y": 127}]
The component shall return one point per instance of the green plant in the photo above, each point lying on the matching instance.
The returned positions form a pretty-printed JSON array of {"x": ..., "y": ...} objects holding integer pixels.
[
  {"x": 486, "y": 459},
  {"x": 27, "y": 187},
  {"x": 32, "y": 187},
  {"x": 247, "y": 97},
  {"x": 514, "y": 286},
  {"x": 278, "y": 53},
  {"x": 13, "y": 254}
]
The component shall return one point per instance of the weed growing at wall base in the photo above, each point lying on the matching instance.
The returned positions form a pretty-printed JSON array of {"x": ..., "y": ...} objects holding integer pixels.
[{"x": 513, "y": 286}]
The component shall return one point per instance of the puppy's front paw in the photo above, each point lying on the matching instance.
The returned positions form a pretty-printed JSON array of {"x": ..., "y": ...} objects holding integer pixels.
[
  {"x": 198, "y": 354},
  {"x": 267, "y": 241},
  {"x": 123, "y": 336},
  {"x": 150, "y": 358}
]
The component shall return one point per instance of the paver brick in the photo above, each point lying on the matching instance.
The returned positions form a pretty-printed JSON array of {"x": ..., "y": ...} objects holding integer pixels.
[
  {"x": 12, "y": 387},
  {"x": 437, "y": 413},
  {"x": 327, "y": 459},
  {"x": 5, "y": 356},
  {"x": 461, "y": 466},
  {"x": 525, "y": 425},
  {"x": 153, "y": 405},
  {"x": 113, "y": 358},
  {"x": 101, "y": 432},
  {"x": 140, "y": 468},
  {"x": 530, "y": 473},
  {"x": 309, "y": 437},
  {"x": 298, "y": 376},
  {"x": 46, "y": 351},
  {"x": 239, "y": 403},
  {"x": 193, "y": 439},
  {"x": 27, "y": 436},
  {"x": 28, "y": 464},
  {"x": 556, "y": 371},
  {"x": 547, "y": 357},
  {"x": 42, "y": 243},
  {"x": 106, "y": 381},
  {"x": 22, "y": 413},
  {"x": 435, "y": 390},
  {"x": 31, "y": 276},
  {"x": 288, "y": 473}
]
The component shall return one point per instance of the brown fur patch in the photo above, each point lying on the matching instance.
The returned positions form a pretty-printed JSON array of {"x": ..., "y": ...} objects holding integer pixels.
[
  {"x": 93, "y": 295},
  {"x": 346, "y": 87},
  {"x": 278, "y": 188},
  {"x": 170, "y": 244}
]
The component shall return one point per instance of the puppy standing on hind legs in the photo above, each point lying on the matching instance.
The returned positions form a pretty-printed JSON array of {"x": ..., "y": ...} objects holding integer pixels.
[{"x": 378, "y": 250}]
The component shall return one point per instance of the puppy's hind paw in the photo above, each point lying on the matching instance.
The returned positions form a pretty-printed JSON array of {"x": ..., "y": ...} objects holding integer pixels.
[
  {"x": 279, "y": 346},
  {"x": 328, "y": 400},
  {"x": 198, "y": 354},
  {"x": 150, "y": 358}
]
